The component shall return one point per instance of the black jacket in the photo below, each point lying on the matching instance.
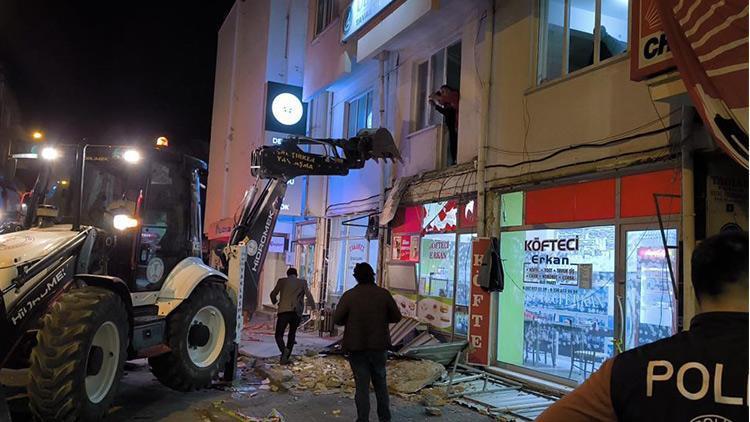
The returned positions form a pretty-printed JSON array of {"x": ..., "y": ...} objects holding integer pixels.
[
  {"x": 366, "y": 310},
  {"x": 702, "y": 372}
]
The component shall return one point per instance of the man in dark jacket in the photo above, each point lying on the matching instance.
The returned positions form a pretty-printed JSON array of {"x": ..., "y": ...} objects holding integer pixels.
[
  {"x": 365, "y": 311},
  {"x": 289, "y": 312},
  {"x": 696, "y": 375}
]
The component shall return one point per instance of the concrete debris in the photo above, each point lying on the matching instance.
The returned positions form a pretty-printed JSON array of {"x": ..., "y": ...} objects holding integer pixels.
[
  {"x": 218, "y": 412},
  {"x": 336, "y": 412},
  {"x": 434, "y": 397},
  {"x": 433, "y": 411},
  {"x": 410, "y": 376},
  {"x": 276, "y": 374}
]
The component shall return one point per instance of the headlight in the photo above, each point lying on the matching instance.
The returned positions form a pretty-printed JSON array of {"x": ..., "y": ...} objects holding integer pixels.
[
  {"x": 50, "y": 153},
  {"x": 123, "y": 222},
  {"x": 132, "y": 156}
]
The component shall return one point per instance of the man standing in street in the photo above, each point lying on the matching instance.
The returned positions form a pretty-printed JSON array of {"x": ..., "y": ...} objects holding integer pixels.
[
  {"x": 696, "y": 375},
  {"x": 290, "y": 308},
  {"x": 365, "y": 311}
]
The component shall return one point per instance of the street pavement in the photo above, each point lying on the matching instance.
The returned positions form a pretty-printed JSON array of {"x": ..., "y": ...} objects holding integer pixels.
[{"x": 142, "y": 398}]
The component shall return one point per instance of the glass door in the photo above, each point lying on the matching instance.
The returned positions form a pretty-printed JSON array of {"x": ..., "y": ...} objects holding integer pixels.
[
  {"x": 649, "y": 305},
  {"x": 306, "y": 260}
]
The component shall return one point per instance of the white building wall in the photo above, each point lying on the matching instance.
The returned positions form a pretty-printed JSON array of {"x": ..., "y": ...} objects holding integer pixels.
[{"x": 528, "y": 122}]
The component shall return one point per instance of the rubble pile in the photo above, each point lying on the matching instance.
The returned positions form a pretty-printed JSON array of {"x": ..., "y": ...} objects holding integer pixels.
[{"x": 331, "y": 374}]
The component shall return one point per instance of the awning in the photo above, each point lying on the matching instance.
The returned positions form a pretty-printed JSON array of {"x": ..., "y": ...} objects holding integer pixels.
[
  {"x": 708, "y": 41},
  {"x": 393, "y": 200}
]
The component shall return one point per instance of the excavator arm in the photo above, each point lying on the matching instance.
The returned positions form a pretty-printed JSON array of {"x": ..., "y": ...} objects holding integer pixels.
[{"x": 275, "y": 165}]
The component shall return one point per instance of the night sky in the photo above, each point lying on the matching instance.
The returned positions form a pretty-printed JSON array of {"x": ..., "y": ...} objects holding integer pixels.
[{"x": 114, "y": 72}]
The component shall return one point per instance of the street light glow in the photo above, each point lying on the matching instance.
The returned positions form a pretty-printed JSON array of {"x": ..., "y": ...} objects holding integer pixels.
[
  {"x": 37, "y": 135},
  {"x": 50, "y": 153},
  {"x": 132, "y": 156}
]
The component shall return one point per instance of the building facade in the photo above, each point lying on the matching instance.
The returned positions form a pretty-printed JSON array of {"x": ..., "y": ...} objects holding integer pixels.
[{"x": 595, "y": 185}]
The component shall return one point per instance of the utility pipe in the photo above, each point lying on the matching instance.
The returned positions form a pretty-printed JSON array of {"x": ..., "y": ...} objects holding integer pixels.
[{"x": 485, "y": 126}]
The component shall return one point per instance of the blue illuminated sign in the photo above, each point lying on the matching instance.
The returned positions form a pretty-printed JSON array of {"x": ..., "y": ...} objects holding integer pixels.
[{"x": 359, "y": 13}]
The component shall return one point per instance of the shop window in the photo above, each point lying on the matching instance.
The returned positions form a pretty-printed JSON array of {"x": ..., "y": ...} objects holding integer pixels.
[
  {"x": 348, "y": 247},
  {"x": 558, "y": 317},
  {"x": 326, "y": 13},
  {"x": 463, "y": 283},
  {"x": 359, "y": 113},
  {"x": 442, "y": 68},
  {"x": 437, "y": 267},
  {"x": 650, "y": 311},
  {"x": 575, "y": 34}
]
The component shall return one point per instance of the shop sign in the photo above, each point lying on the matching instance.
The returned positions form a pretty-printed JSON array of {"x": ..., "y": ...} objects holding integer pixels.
[
  {"x": 479, "y": 309},
  {"x": 440, "y": 217},
  {"x": 285, "y": 111},
  {"x": 359, "y": 13},
  {"x": 726, "y": 198},
  {"x": 651, "y": 54},
  {"x": 406, "y": 248}
]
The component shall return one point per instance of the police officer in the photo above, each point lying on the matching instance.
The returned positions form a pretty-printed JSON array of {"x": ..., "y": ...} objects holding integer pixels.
[{"x": 696, "y": 375}]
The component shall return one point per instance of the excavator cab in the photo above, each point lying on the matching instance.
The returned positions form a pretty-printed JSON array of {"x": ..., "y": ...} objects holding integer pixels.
[{"x": 144, "y": 204}]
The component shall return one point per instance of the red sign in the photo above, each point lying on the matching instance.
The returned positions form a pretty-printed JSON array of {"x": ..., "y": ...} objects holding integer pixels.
[
  {"x": 406, "y": 248},
  {"x": 479, "y": 309},
  {"x": 649, "y": 51},
  {"x": 709, "y": 43}
]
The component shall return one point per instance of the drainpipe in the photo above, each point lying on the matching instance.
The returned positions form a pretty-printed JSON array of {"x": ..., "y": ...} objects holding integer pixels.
[
  {"x": 485, "y": 126},
  {"x": 384, "y": 166},
  {"x": 688, "y": 215}
]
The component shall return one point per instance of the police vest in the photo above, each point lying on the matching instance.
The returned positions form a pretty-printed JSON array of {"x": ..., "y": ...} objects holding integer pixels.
[{"x": 700, "y": 375}]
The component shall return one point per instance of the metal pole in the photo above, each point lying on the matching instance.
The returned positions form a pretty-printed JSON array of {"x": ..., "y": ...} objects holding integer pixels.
[{"x": 688, "y": 217}]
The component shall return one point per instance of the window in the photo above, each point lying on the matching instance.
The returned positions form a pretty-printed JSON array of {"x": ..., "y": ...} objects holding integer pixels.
[
  {"x": 575, "y": 34},
  {"x": 325, "y": 15},
  {"x": 360, "y": 114},
  {"x": 442, "y": 68}
]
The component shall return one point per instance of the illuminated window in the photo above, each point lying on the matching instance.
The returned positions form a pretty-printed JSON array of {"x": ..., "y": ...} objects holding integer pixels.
[
  {"x": 575, "y": 34},
  {"x": 360, "y": 114},
  {"x": 325, "y": 15}
]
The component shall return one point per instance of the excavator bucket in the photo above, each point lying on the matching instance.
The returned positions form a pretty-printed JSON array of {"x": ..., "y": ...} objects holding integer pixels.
[{"x": 381, "y": 145}]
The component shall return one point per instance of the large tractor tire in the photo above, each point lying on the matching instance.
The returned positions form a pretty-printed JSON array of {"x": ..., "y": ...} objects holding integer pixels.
[
  {"x": 199, "y": 333},
  {"x": 77, "y": 362}
]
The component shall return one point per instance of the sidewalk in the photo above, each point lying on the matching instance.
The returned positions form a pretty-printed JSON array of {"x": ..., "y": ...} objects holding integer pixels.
[{"x": 258, "y": 339}]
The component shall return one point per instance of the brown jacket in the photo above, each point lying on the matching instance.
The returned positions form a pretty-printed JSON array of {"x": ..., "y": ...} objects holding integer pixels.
[
  {"x": 366, "y": 310},
  {"x": 293, "y": 292}
]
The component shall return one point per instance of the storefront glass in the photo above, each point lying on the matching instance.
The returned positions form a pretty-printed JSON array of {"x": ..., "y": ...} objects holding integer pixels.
[
  {"x": 348, "y": 247},
  {"x": 463, "y": 283},
  {"x": 437, "y": 271},
  {"x": 586, "y": 272},
  {"x": 651, "y": 308},
  {"x": 566, "y": 280}
]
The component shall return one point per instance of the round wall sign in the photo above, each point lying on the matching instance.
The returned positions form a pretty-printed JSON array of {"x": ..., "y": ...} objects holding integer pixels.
[{"x": 287, "y": 109}]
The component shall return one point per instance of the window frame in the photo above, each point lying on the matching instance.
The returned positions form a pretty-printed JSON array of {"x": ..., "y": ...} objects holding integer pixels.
[
  {"x": 429, "y": 113},
  {"x": 354, "y": 102},
  {"x": 540, "y": 47},
  {"x": 330, "y": 14}
]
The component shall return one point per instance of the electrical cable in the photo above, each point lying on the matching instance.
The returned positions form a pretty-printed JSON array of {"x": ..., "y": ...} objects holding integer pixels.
[
  {"x": 627, "y": 132},
  {"x": 579, "y": 146}
]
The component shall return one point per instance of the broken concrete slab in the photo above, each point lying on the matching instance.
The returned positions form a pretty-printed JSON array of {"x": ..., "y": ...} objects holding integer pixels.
[{"x": 410, "y": 376}]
